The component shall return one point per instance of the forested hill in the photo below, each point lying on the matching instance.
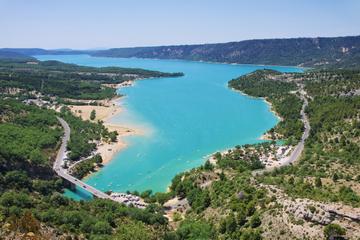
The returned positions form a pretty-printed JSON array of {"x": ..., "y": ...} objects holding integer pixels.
[
  {"x": 338, "y": 52},
  {"x": 38, "y": 51},
  {"x": 15, "y": 55},
  {"x": 341, "y": 52},
  {"x": 20, "y": 75}
]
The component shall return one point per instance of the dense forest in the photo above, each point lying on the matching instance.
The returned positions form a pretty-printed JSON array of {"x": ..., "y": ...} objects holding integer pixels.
[
  {"x": 27, "y": 133},
  {"x": 332, "y": 150},
  {"x": 30, "y": 192}
]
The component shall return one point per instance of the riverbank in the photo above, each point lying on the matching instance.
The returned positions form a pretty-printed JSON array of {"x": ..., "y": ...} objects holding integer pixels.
[
  {"x": 275, "y": 156},
  {"x": 181, "y": 135},
  {"x": 104, "y": 112},
  {"x": 270, "y": 156},
  {"x": 266, "y": 136}
]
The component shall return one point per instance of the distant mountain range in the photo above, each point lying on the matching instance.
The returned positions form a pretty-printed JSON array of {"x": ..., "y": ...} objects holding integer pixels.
[
  {"x": 339, "y": 52},
  {"x": 8, "y": 52}
]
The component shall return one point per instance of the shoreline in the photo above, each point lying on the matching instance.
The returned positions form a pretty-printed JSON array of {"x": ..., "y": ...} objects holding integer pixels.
[
  {"x": 284, "y": 153},
  {"x": 210, "y": 62},
  {"x": 270, "y": 161},
  {"x": 111, "y": 107},
  {"x": 264, "y": 136},
  {"x": 105, "y": 113}
]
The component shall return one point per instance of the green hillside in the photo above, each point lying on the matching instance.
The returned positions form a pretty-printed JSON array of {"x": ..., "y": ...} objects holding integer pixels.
[{"x": 341, "y": 52}]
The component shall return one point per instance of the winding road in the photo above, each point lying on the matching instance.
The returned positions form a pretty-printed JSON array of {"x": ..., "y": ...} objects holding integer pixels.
[
  {"x": 296, "y": 153},
  {"x": 62, "y": 172}
]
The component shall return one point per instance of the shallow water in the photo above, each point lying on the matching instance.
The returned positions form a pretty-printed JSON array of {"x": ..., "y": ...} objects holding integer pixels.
[{"x": 185, "y": 119}]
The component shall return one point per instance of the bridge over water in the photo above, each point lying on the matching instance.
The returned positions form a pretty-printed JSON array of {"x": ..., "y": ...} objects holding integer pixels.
[{"x": 63, "y": 173}]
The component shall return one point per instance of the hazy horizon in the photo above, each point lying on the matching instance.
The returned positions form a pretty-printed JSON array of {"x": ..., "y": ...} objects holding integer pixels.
[{"x": 112, "y": 24}]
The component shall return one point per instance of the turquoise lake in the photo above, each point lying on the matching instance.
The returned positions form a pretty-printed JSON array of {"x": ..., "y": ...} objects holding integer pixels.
[{"x": 185, "y": 119}]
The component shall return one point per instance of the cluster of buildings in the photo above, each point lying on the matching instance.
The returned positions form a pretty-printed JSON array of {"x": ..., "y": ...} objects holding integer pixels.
[
  {"x": 37, "y": 102},
  {"x": 128, "y": 199}
]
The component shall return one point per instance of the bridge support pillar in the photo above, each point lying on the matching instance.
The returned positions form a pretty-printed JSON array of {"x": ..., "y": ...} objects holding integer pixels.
[
  {"x": 72, "y": 187},
  {"x": 69, "y": 185}
]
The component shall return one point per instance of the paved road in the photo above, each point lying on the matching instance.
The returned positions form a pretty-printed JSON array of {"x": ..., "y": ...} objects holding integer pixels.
[
  {"x": 296, "y": 153},
  {"x": 62, "y": 172},
  {"x": 71, "y": 167}
]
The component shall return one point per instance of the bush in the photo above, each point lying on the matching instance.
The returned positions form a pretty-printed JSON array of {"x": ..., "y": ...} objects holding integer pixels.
[
  {"x": 208, "y": 166},
  {"x": 102, "y": 227},
  {"x": 195, "y": 230},
  {"x": 318, "y": 182},
  {"x": 333, "y": 230},
  {"x": 255, "y": 221},
  {"x": 177, "y": 217},
  {"x": 93, "y": 115}
]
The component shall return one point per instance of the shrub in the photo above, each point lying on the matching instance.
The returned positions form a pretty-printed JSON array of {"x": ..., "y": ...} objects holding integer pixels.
[{"x": 333, "y": 230}]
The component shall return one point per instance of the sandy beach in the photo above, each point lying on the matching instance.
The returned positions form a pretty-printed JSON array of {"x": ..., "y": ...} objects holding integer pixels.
[
  {"x": 109, "y": 109},
  {"x": 106, "y": 110}
]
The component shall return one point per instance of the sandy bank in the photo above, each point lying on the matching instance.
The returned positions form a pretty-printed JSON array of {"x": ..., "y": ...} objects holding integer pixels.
[{"x": 104, "y": 113}]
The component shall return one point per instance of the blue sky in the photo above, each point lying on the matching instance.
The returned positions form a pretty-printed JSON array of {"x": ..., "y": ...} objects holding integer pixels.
[{"x": 109, "y": 23}]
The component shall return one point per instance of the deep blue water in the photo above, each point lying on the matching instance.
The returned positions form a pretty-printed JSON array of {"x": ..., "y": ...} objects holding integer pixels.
[{"x": 185, "y": 119}]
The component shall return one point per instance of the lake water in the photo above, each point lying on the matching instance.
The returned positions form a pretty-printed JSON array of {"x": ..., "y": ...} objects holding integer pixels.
[{"x": 185, "y": 119}]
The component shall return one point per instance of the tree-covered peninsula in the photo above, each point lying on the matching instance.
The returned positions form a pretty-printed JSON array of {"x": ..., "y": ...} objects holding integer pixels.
[{"x": 61, "y": 80}]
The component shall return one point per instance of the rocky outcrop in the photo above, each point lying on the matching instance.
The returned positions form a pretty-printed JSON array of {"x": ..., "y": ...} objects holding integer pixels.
[
  {"x": 303, "y": 210},
  {"x": 313, "y": 211},
  {"x": 341, "y": 213}
]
